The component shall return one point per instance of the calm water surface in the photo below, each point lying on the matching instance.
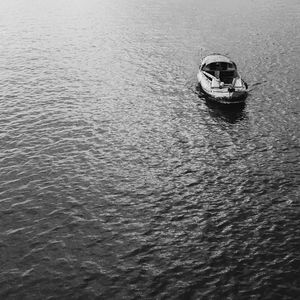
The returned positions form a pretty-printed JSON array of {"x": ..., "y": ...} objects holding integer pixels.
[{"x": 118, "y": 181}]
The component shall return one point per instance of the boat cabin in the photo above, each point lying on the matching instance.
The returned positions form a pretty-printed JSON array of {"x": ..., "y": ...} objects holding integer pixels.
[{"x": 221, "y": 68}]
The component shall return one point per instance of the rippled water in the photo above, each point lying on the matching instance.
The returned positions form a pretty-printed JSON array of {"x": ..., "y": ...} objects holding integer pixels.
[{"x": 118, "y": 181}]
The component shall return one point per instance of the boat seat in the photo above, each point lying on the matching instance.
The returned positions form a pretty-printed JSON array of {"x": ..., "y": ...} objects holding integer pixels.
[{"x": 227, "y": 76}]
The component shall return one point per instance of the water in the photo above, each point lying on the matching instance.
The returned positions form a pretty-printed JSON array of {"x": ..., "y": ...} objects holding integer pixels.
[{"x": 118, "y": 181}]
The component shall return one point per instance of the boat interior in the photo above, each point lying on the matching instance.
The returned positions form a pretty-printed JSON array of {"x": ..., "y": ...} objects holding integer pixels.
[{"x": 224, "y": 71}]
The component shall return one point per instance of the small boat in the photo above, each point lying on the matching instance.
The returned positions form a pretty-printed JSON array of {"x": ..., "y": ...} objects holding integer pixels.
[{"x": 219, "y": 79}]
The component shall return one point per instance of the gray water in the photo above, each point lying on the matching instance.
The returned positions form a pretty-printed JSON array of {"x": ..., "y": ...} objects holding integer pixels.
[{"x": 119, "y": 181}]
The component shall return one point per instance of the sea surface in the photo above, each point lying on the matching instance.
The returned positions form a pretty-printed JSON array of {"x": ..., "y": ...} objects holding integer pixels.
[{"x": 118, "y": 180}]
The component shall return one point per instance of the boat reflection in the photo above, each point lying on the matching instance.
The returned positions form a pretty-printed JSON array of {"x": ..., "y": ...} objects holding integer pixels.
[{"x": 230, "y": 113}]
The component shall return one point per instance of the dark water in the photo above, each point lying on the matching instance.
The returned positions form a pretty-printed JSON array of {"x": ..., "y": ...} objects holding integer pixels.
[{"x": 117, "y": 181}]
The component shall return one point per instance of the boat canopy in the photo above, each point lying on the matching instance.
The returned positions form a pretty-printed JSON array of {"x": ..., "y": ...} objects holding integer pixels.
[
  {"x": 216, "y": 58},
  {"x": 220, "y": 67},
  {"x": 217, "y": 62}
]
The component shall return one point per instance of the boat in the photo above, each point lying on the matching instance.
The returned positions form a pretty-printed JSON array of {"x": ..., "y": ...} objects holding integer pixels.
[{"x": 219, "y": 79}]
